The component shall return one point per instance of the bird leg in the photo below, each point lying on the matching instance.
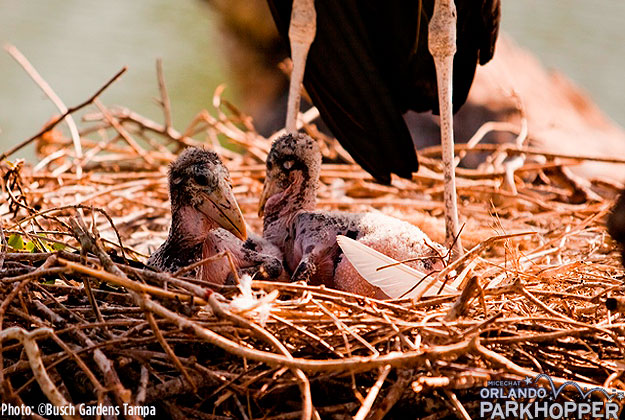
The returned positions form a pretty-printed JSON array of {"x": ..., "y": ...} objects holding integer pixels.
[
  {"x": 442, "y": 46},
  {"x": 302, "y": 30}
]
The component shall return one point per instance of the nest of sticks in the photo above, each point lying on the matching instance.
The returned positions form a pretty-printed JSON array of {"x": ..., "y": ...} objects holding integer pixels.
[{"x": 82, "y": 320}]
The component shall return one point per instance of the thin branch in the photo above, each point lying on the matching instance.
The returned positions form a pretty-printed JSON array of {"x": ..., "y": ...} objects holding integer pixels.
[
  {"x": 56, "y": 100},
  {"x": 69, "y": 111},
  {"x": 164, "y": 102},
  {"x": 372, "y": 394},
  {"x": 34, "y": 358}
]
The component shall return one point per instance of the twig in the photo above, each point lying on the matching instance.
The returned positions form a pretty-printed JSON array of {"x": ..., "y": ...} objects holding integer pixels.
[
  {"x": 123, "y": 133},
  {"x": 161, "y": 339},
  {"x": 69, "y": 111},
  {"x": 34, "y": 357},
  {"x": 45, "y": 87},
  {"x": 392, "y": 396},
  {"x": 460, "y": 305},
  {"x": 461, "y": 412},
  {"x": 164, "y": 102},
  {"x": 143, "y": 385},
  {"x": 304, "y": 384},
  {"x": 372, "y": 394},
  {"x": 513, "y": 149},
  {"x": 538, "y": 303},
  {"x": 131, "y": 285}
]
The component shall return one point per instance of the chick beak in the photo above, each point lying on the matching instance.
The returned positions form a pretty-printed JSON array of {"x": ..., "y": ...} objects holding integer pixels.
[
  {"x": 221, "y": 206},
  {"x": 269, "y": 188}
]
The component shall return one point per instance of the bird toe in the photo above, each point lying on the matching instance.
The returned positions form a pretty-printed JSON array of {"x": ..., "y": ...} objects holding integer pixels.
[
  {"x": 270, "y": 269},
  {"x": 303, "y": 272}
]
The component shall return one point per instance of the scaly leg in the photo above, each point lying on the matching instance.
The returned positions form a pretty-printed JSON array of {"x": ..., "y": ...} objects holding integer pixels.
[
  {"x": 302, "y": 32},
  {"x": 442, "y": 46}
]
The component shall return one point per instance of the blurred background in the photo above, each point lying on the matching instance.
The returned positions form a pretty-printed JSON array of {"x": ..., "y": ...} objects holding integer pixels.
[{"x": 76, "y": 45}]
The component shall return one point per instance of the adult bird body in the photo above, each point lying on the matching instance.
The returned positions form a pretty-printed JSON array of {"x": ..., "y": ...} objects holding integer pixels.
[{"x": 370, "y": 62}]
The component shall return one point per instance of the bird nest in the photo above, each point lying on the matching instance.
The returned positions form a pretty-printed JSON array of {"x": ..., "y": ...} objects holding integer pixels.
[{"x": 82, "y": 321}]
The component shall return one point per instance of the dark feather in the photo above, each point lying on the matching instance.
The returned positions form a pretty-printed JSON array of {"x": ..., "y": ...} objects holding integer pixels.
[{"x": 370, "y": 63}]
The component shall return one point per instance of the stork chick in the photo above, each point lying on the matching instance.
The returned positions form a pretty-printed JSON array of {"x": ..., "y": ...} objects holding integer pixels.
[
  {"x": 206, "y": 220},
  {"x": 616, "y": 223},
  {"x": 307, "y": 237}
]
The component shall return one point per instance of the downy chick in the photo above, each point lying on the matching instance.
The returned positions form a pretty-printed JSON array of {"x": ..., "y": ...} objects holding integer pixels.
[
  {"x": 307, "y": 237},
  {"x": 206, "y": 220}
]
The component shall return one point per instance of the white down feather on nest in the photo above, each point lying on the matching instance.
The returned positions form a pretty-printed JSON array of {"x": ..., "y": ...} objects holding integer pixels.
[
  {"x": 250, "y": 305},
  {"x": 397, "y": 281}
]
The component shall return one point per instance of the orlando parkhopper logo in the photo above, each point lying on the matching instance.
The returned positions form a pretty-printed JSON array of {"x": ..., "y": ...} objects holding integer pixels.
[{"x": 526, "y": 399}]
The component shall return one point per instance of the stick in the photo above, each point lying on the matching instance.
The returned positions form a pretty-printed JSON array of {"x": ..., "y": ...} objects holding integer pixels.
[
  {"x": 123, "y": 133},
  {"x": 513, "y": 149},
  {"x": 69, "y": 111},
  {"x": 131, "y": 285},
  {"x": 45, "y": 87},
  {"x": 164, "y": 102},
  {"x": 372, "y": 395},
  {"x": 34, "y": 357}
]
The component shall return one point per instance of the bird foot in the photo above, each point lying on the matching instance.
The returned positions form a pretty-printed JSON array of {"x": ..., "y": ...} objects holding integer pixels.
[
  {"x": 270, "y": 269},
  {"x": 304, "y": 271}
]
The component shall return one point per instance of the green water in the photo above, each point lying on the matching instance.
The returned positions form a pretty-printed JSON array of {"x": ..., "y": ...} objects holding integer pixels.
[
  {"x": 78, "y": 44},
  {"x": 583, "y": 39}
]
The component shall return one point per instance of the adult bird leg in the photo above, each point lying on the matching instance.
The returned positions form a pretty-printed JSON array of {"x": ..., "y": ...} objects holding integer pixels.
[
  {"x": 302, "y": 32},
  {"x": 442, "y": 46}
]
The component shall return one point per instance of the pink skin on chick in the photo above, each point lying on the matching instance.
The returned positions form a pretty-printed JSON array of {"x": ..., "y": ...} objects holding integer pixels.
[{"x": 307, "y": 237}]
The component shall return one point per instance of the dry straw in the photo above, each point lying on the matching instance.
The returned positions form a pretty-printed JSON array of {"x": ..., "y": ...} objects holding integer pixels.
[{"x": 81, "y": 321}]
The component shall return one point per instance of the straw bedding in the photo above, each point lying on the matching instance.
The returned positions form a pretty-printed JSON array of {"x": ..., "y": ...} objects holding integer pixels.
[{"x": 83, "y": 321}]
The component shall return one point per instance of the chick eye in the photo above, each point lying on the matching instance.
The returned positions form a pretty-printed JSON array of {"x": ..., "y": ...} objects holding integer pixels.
[
  {"x": 288, "y": 164},
  {"x": 201, "y": 179}
]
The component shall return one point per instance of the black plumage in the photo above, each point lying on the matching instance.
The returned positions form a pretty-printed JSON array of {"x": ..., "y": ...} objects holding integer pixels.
[{"x": 370, "y": 63}]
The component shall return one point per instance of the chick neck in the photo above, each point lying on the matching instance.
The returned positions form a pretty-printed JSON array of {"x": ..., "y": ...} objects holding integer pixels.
[{"x": 281, "y": 208}]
